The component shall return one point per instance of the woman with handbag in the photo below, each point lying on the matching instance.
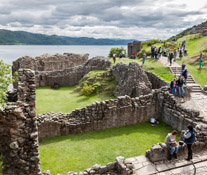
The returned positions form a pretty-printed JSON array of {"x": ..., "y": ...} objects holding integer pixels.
[{"x": 172, "y": 144}]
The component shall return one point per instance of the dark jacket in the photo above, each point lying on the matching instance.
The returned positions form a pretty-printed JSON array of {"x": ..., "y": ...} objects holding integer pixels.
[
  {"x": 190, "y": 137},
  {"x": 185, "y": 74},
  {"x": 179, "y": 82}
]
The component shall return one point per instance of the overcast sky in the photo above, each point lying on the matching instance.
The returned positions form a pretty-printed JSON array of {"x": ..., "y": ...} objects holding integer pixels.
[{"x": 128, "y": 19}]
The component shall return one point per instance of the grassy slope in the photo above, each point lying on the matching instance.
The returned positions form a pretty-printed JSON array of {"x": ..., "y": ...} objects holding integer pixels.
[
  {"x": 151, "y": 65},
  {"x": 194, "y": 46},
  {"x": 67, "y": 99},
  {"x": 81, "y": 151}
]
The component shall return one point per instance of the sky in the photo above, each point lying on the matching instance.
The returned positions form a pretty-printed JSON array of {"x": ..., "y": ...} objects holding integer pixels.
[{"x": 126, "y": 19}]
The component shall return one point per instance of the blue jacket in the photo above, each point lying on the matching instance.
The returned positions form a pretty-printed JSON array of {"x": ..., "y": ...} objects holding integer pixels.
[{"x": 190, "y": 137}]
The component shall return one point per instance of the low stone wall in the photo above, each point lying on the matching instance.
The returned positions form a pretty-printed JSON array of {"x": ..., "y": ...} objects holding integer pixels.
[
  {"x": 71, "y": 76},
  {"x": 122, "y": 111}
]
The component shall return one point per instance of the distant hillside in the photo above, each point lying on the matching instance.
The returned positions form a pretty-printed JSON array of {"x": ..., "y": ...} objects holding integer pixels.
[
  {"x": 8, "y": 37},
  {"x": 201, "y": 28}
]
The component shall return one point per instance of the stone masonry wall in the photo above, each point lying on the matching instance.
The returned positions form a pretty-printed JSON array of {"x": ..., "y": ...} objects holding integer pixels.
[
  {"x": 50, "y": 63},
  {"x": 122, "y": 111},
  {"x": 18, "y": 130},
  {"x": 71, "y": 76}
]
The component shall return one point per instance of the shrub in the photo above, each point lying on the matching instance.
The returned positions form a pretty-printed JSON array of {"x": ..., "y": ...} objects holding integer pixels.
[
  {"x": 88, "y": 90},
  {"x": 149, "y": 43},
  {"x": 116, "y": 50}
]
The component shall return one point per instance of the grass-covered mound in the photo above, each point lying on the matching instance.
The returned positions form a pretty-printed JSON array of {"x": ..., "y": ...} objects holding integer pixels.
[
  {"x": 151, "y": 65},
  {"x": 81, "y": 151},
  {"x": 67, "y": 99}
]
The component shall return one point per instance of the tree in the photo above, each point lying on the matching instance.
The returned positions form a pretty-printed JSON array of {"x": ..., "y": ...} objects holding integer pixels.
[{"x": 5, "y": 81}]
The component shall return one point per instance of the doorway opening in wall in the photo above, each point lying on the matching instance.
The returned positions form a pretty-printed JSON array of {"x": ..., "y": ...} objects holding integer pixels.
[{"x": 81, "y": 151}]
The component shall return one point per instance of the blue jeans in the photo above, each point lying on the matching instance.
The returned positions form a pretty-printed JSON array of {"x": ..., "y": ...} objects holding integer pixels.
[
  {"x": 173, "y": 149},
  {"x": 181, "y": 91},
  {"x": 143, "y": 60},
  {"x": 173, "y": 90}
]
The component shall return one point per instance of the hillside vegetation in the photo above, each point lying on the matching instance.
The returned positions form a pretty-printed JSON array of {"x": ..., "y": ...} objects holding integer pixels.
[{"x": 8, "y": 37}]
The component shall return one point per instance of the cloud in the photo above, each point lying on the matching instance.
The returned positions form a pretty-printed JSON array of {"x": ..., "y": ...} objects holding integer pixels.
[{"x": 134, "y": 19}]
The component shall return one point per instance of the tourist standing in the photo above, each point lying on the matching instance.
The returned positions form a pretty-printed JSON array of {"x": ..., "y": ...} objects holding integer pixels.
[
  {"x": 152, "y": 52},
  {"x": 189, "y": 139},
  {"x": 123, "y": 53},
  {"x": 181, "y": 53},
  {"x": 143, "y": 57},
  {"x": 182, "y": 68},
  {"x": 155, "y": 53},
  {"x": 172, "y": 144},
  {"x": 114, "y": 57},
  {"x": 180, "y": 86},
  {"x": 165, "y": 52},
  {"x": 200, "y": 60},
  {"x": 173, "y": 86},
  {"x": 185, "y": 75},
  {"x": 175, "y": 55},
  {"x": 170, "y": 58}
]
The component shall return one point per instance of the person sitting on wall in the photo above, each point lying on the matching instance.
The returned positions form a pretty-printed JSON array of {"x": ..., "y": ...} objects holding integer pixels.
[
  {"x": 172, "y": 144},
  {"x": 189, "y": 139}
]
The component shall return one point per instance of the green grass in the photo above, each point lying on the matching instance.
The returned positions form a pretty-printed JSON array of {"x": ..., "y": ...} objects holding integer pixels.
[
  {"x": 151, "y": 65},
  {"x": 66, "y": 99},
  {"x": 63, "y": 100},
  {"x": 81, "y": 151},
  {"x": 195, "y": 44}
]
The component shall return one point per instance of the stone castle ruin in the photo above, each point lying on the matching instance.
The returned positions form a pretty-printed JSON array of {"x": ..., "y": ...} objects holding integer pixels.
[
  {"x": 134, "y": 47},
  {"x": 20, "y": 127}
]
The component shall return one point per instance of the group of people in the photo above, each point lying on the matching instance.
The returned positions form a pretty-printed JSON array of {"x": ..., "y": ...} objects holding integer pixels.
[
  {"x": 189, "y": 139},
  {"x": 156, "y": 52},
  {"x": 178, "y": 84},
  {"x": 121, "y": 55}
]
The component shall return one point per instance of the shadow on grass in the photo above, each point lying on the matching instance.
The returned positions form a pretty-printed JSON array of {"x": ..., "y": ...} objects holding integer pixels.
[{"x": 145, "y": 128}]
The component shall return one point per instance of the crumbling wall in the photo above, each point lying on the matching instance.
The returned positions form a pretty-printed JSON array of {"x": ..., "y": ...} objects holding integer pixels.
[
  {"x": 71, "y": 76},
  {"x": 122, "y": 111},
  {"x": 132, "y": 80},
  {"x": 50, "y": 63},
  {"x": 18, "y": 130}
]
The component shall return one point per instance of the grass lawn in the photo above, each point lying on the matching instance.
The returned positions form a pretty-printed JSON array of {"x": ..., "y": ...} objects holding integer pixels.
[
  {"x": 81, "y": 151},
  {"x": 63, "y": 100},
  {"x": 151, "y": 65}
]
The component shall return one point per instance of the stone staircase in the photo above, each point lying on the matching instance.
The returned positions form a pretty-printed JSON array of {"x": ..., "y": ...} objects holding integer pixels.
[{"x": 196, "y": 88}]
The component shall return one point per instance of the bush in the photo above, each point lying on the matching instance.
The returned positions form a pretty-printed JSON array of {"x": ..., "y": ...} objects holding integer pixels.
[
  {"x": 149, "y": 43},
  {"x": 116, "y": 50},
  {"x": 88, "y": 90}
]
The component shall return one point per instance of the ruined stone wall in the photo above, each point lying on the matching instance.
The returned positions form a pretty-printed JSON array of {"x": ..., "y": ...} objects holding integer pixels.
[
  {"x": 18, "y": 130},
  {"x": 134, "y": 47},
  {"x": 50, "y": 63},
  {"x": 122, "y": 111},
  {"x": 132, "y": 80},
  {"x": 71, "y": 76}
]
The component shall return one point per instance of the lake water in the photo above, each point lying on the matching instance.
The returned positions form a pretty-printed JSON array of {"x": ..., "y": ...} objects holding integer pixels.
[{"x": 9, "y": 53}]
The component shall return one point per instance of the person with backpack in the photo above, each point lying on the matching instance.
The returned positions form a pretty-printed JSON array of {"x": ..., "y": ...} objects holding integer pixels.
[
  {"x": 189, "y": 139},
  {"x": 180, "y": 86},
  {"x": 185, "y": 75},
  {"x": 173, "y": 86},
  {"x": 200, "y": 60},
  {"x": 182, "y": 68}
]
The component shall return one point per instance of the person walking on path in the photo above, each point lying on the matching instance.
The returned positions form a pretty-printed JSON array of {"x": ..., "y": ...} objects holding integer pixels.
[
  {"x": 185, "y": 75},
  {"x": 172, "y": 144},
  {"x": 165, "y": 52},
  {"x": 180, "y": 86},
  {"x": 189, "y": 139},
  {"x": 182, "y": 68},
  {"x": 143, "y": 57},
  {"x": 173, "y": 86},
  {"x": 170, "y": 58},
  {"x": 114, "y": 57},
  {"x": 200, "y": 60},
  {"x": 181, "y": 53}
]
